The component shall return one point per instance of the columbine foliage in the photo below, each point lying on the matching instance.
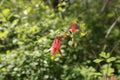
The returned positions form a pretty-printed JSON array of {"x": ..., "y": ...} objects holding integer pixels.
[{"x": 28, "y": 29}]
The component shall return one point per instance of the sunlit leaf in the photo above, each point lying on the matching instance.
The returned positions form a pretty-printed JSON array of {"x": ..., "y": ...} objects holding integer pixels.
[
  {"x": 6, "y": 11},
  {"x": 98, "y": 60},
  {"x": 111, "y": 59},
  {"x": 104, "y": 55}
]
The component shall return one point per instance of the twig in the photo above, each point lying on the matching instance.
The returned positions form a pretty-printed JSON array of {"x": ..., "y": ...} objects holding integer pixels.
[
  {"x": 104, "y": 77},
  {"x": 107, "y": 70},
  {"x": 115, "y": 47},
  {"x": 111, "y": 27},
  {"x": 109, "y": 31},
  {"x": 104, "y": 5},
  {"x": 104, "y": 47}
]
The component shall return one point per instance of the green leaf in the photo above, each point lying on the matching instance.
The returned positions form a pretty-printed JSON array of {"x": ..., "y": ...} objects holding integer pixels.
[
  {"x": 98, "y": 74},
  {"x": 104, "y": 55},
  {"x": 14, "y": 23},
  {"x": 2, "y": 18},
  {"x": 6, "y": 11},
  {"x": 111, "y": 71},
  {"x": 98, "y": 60},
  {"x": 111, "y": 59},
  {"x": 107, "y": 55},
  {"x": 107, "y": 69},
  {"x": 3, "y": 34},
  {"x": 3, "y": 69},
  {"x": 1, "y": 15},
  {"x": 111, "y": 15}
]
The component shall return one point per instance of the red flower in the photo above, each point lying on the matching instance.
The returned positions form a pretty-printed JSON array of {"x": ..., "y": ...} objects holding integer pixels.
[
  {"x": 56, "y": 46},
  {"x": 112, "y": 77},
  {"x": 73, "y": 27}
]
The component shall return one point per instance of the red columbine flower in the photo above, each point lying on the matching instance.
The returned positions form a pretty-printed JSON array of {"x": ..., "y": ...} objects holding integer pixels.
[
  {"x": 55, "y": 48},
  {"x": 73, "y": 27},
  {"x": 112, "y": 77}
]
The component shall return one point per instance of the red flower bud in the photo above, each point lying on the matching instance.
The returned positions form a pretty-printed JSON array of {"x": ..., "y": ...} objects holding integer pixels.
[
  {"x": 112, "y": 77},
  {"x": 73, "y": 27}
]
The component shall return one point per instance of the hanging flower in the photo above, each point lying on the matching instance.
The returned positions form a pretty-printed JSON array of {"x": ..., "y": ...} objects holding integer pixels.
[
  {"x": 55, "y": 48},
  {"x": 73, "y": 27},
  {"x": 112, "y": 77}
]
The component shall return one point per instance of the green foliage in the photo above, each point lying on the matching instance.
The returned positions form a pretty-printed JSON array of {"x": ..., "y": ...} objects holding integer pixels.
[
  {"x": 105, "y": 55},
  {"x": 106, "y": 68},
  {"x": 28, "y": 28},
  {"x": 98, "y": 60}
]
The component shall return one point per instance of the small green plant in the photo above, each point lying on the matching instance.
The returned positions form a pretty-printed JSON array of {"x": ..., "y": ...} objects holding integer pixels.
[{"x": 105, "y": 62}]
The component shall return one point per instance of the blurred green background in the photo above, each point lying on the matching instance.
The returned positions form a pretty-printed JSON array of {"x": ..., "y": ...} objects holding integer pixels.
[{"x": 28, "y": 28}]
